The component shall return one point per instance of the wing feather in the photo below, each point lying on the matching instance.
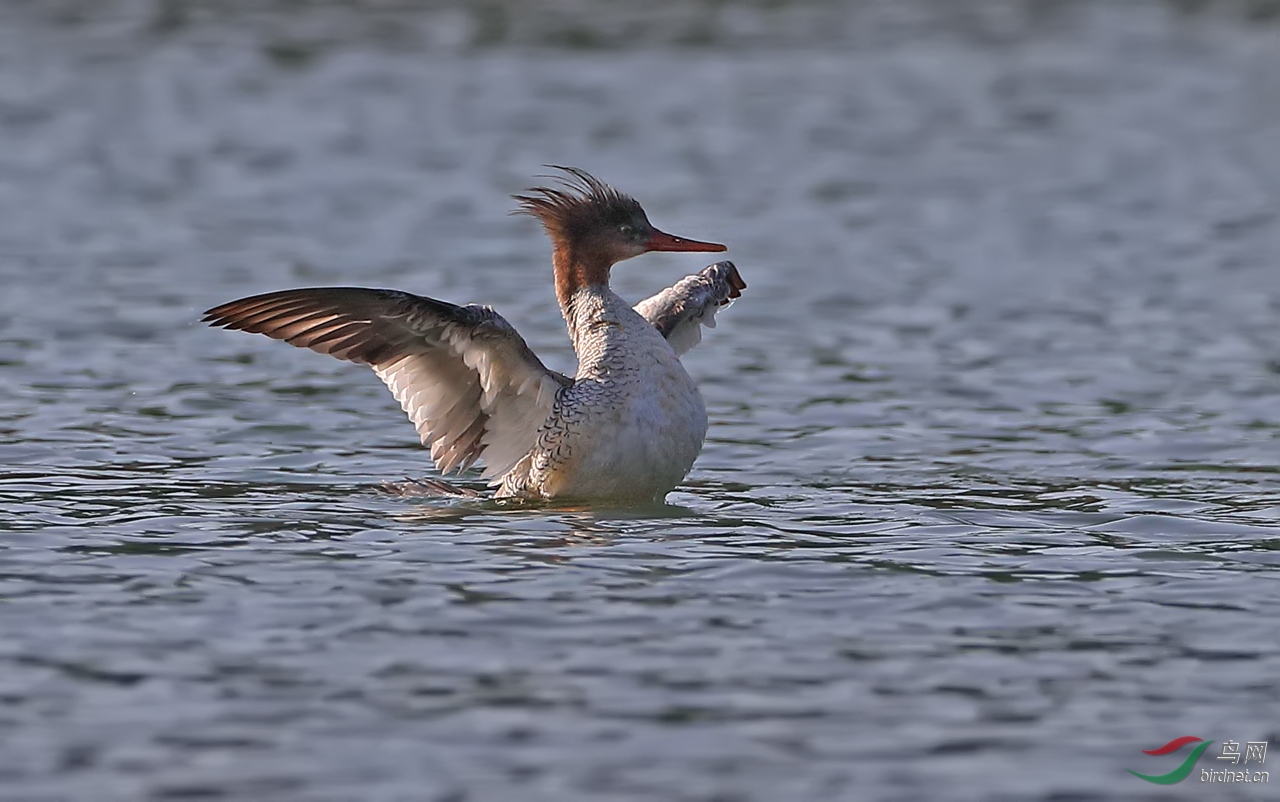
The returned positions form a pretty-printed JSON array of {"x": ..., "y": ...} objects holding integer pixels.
[
  {"x": 463, "y": 375},
  {"x": 680, "y": 311}
]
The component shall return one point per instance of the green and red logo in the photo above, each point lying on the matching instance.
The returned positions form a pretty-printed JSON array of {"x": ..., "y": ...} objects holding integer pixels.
[{"x": 1180, "y": 773}]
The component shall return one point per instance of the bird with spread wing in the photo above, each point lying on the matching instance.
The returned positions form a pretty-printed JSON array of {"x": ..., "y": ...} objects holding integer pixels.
[{"x": 627, "y": 427}]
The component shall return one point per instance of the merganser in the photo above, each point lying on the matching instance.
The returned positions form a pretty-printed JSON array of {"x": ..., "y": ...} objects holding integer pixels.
[{"x": 627, "y": 427}]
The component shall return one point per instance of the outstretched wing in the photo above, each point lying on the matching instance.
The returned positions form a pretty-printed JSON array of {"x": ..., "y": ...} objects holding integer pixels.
[
  {"x": 468, "y": 381},
  {"x": 680, "y": 311}
]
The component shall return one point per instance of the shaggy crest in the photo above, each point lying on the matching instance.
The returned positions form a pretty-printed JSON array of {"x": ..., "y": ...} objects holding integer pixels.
[{"x": 580, "y": 205}]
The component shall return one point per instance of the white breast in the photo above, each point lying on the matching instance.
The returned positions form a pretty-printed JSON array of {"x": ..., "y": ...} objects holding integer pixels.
[{"x": 632, "y": 424}]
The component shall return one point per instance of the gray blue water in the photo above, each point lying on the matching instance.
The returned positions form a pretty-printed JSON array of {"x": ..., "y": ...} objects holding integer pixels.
[{"x": 991, "y": 497}]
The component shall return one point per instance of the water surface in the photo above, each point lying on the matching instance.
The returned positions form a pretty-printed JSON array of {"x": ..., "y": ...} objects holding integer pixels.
[{"x": 989, "y": 501}]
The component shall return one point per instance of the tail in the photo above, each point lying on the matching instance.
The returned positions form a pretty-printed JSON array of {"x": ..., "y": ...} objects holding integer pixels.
[{"x": 429, "y": 487}]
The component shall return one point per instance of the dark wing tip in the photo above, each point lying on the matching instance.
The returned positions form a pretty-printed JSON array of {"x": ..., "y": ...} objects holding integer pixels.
[
  {"x": 727, "y": 271},
  {"x": 222, "y": 316},
  {"x": 736, "y": 284},
  {"x": 329, "y": 321},
  {"x": 217, "y": 316},
  {"x": 227, "y": 314}
]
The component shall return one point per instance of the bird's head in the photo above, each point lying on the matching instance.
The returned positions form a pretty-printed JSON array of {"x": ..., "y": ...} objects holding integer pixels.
[{"x": 595, "y": 222}]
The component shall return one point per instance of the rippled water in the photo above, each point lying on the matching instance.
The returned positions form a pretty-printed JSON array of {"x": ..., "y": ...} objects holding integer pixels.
[{"x": 991, "y": 498}]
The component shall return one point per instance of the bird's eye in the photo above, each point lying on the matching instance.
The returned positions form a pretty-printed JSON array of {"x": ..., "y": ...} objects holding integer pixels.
[{"x": 626, "y": 229}]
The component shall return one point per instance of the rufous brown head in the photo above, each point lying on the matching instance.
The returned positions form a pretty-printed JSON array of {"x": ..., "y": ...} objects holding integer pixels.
[{"x": 587, "y": 216}]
